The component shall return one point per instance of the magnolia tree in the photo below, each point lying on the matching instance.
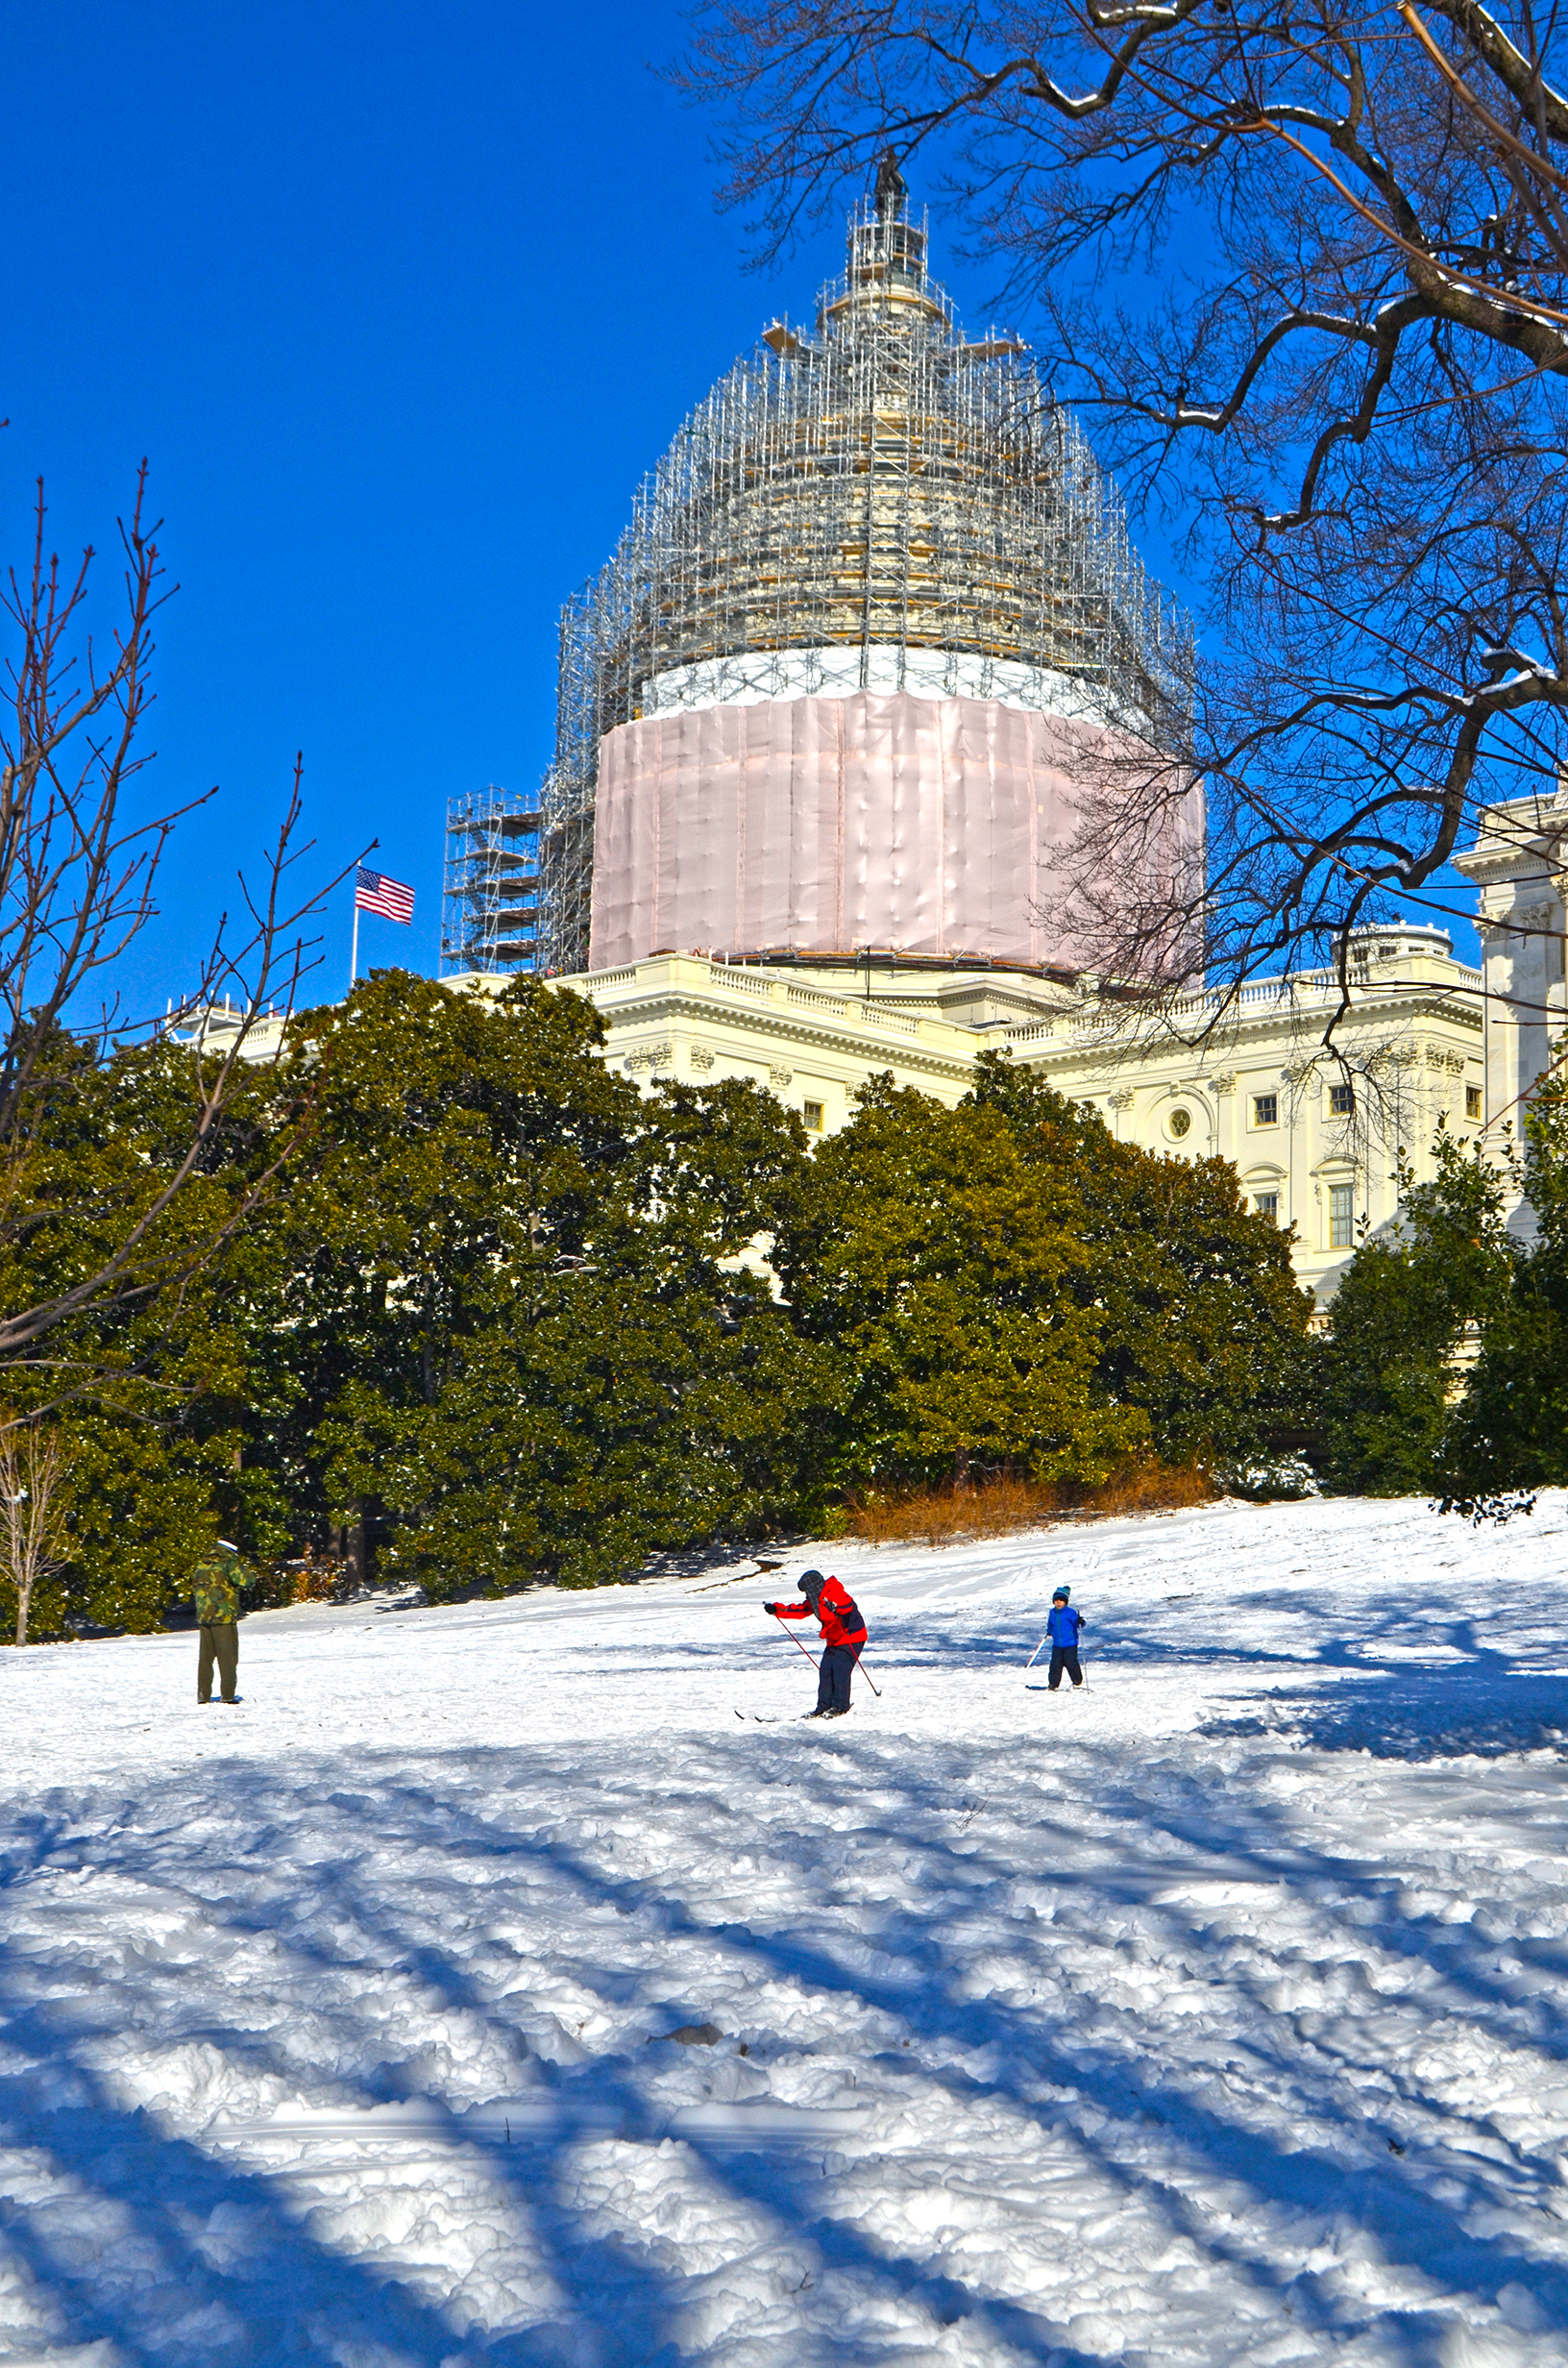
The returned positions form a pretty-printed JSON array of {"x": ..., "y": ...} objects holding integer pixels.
[{"x": 1306, "y": 267}]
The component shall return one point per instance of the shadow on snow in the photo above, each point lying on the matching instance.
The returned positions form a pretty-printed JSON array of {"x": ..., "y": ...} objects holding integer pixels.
[{"x": 169, "y": 2249}]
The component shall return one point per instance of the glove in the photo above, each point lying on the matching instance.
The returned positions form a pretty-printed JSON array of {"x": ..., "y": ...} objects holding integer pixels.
[{"x": 770, "y": 1607}]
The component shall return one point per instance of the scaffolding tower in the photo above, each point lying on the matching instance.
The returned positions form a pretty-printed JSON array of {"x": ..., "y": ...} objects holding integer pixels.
[
  {"x": 880, "y": 485},
  {"x": 490, "y": 893}
]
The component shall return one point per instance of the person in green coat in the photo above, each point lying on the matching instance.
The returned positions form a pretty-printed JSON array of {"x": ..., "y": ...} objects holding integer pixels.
[{"x": 216, "y": 1582}]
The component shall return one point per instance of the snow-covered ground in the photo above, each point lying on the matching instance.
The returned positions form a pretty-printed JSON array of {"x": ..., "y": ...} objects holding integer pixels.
[{"x": 1219, "y": 2015}]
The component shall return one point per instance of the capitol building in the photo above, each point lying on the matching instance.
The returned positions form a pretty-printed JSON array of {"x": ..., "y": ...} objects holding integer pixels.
[{"x": 826, "y": 719}]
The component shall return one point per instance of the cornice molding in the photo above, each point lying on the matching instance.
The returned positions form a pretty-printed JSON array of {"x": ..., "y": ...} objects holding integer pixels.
[
  {"x": 1488, "y": 868},
  {"x": 1080, "y": 1057},
  {"x": 766, "y": 1023},
  {"x": 1426, "y": 1004},
  {"x": 772, "y": 1021},
  {"x": 1510, "y": 863}
]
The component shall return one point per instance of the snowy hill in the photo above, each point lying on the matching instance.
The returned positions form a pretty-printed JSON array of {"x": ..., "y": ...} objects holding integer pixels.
[{"x": 1219, "y": 2015}]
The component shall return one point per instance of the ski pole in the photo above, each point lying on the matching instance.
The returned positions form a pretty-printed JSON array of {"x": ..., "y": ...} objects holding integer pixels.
[
  {"x": 1034, "y": 1657},
  {"x": 799, "y": 1646},
  {"x": 817, "y": 1664}
]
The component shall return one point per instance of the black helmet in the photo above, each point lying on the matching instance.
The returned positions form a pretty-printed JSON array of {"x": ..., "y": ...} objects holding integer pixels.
[{"x": 811, "y": 1582}]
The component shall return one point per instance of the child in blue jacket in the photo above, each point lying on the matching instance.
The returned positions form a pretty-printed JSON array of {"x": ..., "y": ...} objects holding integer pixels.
[{"x": 1063, "y": 1628}]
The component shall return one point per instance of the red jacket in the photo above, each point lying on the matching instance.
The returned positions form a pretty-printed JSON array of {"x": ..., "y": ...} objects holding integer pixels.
[{"x": 837, "y": 1614}]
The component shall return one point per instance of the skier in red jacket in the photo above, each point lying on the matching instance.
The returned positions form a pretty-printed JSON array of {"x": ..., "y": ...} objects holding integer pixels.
[{"x": 844, "y": 1637}]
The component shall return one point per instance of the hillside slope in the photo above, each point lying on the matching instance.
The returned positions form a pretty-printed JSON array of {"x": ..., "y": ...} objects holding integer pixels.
[{"x": 1217, "y": 2016}]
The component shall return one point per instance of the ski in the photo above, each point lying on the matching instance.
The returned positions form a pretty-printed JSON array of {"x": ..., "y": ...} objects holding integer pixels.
[{"x": 778, "y": 1718}]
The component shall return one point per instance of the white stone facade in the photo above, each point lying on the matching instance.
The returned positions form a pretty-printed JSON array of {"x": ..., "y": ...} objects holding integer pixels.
[
  {"x": 1317, "y": 1133},
  {"x": 1519, "y": 864}
]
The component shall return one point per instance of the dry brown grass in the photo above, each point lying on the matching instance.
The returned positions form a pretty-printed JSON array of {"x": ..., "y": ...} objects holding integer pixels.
[{"x": 943, "y": 1516}]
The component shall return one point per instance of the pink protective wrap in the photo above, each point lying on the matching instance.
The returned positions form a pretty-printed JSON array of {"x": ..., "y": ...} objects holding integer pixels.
[{"x": 932, "y": 826}]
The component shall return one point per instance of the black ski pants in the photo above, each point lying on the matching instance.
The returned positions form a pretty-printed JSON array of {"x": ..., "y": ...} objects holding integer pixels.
[
  {"x": 833, "y": 1678},
  {"x": 1065, "y": 1657},
  {"x": 220, "y": 1643}
]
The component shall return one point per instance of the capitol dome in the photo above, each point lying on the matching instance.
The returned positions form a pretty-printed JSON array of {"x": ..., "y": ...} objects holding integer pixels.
[{"x": 874, "y": 624}]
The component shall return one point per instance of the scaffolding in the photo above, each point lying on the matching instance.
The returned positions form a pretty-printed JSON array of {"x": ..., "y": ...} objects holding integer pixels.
[
  {"x": 490, "y": 892},
  {"x": 877, "y": 505}
]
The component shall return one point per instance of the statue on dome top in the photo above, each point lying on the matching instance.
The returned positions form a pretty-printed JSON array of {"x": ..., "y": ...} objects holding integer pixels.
[{"x": 891, "y": 189}]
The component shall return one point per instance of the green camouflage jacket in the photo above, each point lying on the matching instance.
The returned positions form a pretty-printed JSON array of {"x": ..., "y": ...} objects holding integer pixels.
[{"x": 216, "y": 1585}]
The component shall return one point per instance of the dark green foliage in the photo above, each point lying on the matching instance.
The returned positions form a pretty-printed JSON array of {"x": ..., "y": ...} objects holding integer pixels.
[
  {"x": 1203, "y": 1326},
  {"x": 1403, "y": 1411},
  {"x": 943, "y": 1272},
  {"x": 497, "y": 1309},
  {"x": 1400, "y": 1318},
  {"x": 149, "y": 1389},
  {"x": 1006, "y": 1284},
  {"x": 1509, "y": 1431},
  {"x": 512, "y": 1339},
  {"x": 502, "y": 1318}
]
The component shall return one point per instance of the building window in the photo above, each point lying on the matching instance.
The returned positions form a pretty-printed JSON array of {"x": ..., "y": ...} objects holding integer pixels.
[
  {"x": 1472, "y": 1101},
  {"x": 812, "y": 1113},
  {"x": 1180, "y": 1123},
  {"x": 1266, "y": 1109},
  {"x": 1342, "y": 1100},
  {"x": 1267, "y": 1204},
  {"x": 1341, "y": 1215}
]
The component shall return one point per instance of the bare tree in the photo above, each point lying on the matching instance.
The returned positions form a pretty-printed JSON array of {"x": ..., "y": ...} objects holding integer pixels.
[
  {"x": 31, "y": 1520},
  {"x": 78, "y": 866},
  {"x": 1308, "y": 267}
]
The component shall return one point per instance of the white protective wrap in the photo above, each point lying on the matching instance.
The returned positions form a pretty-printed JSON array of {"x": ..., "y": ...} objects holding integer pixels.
[
  {"x": 749, "y": 677},
  {"x": 932, "y": 826}
]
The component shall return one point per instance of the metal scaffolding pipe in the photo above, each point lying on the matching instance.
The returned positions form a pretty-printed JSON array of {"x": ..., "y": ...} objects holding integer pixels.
[{"x": 879, "y": 507}]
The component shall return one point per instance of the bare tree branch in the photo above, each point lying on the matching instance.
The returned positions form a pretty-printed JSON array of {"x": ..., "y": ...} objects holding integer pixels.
[
  {"x": 33, "y": 1538},
  {"x": 1280, "y": 249},
  {"x": 78, "y": 872}
]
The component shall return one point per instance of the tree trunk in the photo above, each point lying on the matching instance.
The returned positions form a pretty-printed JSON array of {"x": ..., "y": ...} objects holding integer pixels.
[{"x": 31, "y": 1528}]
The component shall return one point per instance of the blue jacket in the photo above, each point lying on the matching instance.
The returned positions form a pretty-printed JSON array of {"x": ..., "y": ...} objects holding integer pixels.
[{"x": 1063, "y": 1627}]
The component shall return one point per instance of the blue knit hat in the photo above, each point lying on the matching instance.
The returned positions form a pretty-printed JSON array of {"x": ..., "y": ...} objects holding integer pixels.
[{"x": 1066, "y": 1593}]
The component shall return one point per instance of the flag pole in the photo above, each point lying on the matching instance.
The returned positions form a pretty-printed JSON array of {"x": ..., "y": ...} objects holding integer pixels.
[{"x": 353, "y": 954}]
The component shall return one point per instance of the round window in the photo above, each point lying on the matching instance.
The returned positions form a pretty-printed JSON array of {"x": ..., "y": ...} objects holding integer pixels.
[{"x": 1180, "y": 1121}]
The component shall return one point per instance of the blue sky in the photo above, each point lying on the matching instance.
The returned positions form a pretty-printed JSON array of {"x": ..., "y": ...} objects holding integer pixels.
[{"x": 400, "y": 303}]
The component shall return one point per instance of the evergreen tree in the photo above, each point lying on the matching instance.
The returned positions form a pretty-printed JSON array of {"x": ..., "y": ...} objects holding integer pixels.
[
  {"x": 1004, "y": 1283},
  {"x": 1203, "y": 1326},
  {"x": 149, "y": 1389},
  {"x": 1400, "y": 1318},
  {"x": 943, "y": 1273},
  {"x": 514, "y": 1330},
  {"x": 502, "y": 1318},
  {"x": 1509, "y": 1432}
]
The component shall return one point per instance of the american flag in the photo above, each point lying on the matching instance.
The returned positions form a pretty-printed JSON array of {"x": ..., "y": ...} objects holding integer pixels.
[{"x": 374, "y": 893}]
